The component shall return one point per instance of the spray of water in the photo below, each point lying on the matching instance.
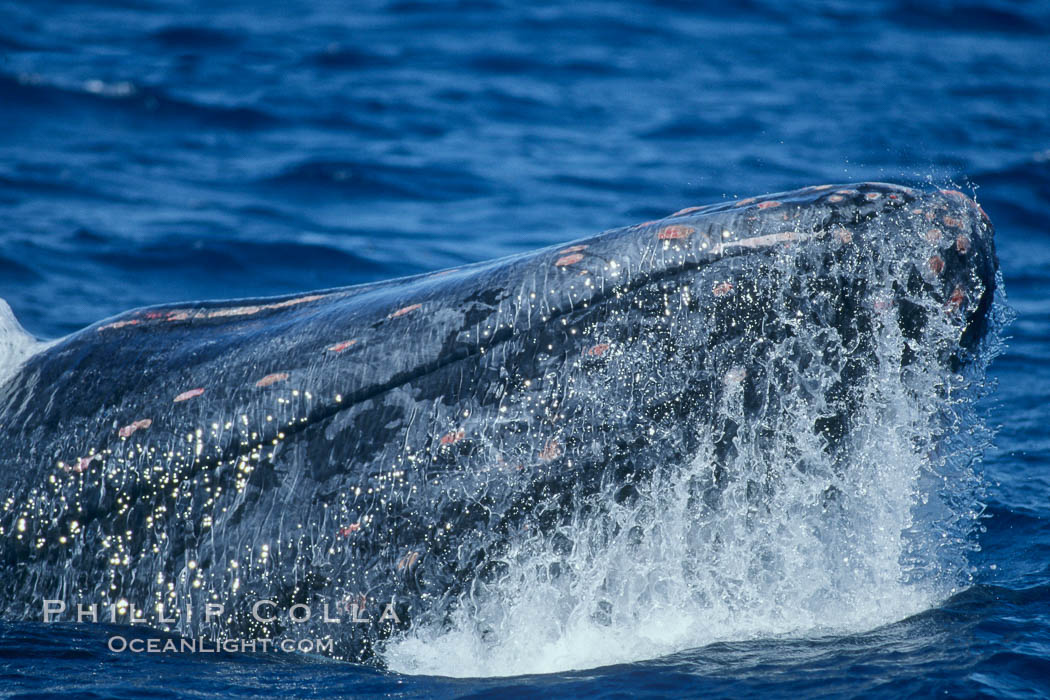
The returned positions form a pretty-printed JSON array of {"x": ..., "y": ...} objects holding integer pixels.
[{"x": 781, "y": 537}]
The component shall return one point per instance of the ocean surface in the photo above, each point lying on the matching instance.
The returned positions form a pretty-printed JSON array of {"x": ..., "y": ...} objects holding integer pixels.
[{"x": 154, "y": 151}]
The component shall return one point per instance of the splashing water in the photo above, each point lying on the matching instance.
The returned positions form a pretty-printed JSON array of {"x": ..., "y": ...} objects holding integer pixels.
[{"x": 781, "y": 537}]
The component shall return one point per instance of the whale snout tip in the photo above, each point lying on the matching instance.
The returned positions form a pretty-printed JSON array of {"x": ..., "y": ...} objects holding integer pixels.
[{"x": 965, "y": 259}]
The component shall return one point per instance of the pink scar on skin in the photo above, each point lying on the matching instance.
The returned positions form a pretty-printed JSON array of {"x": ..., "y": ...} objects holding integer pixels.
[
  {"x": 819, "y": 188},
  {"x": 687, "y": 210},
  {"x": 843, "y": 235},
  {"x": 119, "y": 324},
  {"x": 272, "y": 379},
  {"x": 872, "y": 196},
  {"x": 933, "y": 235},
  {"x": 598, "y": 350},
  {"x": 744, "y": 202},
  {"x": 249, "y": 310},
  {"x": 349, "y": 529},
  {"x": 83, "y": 463},
  {"x": 952, "y": 221},
  {"x": 762, "y": 241},
  {"x": 408, "y": 561},
  {"x": 452, "y": 437},
  {"x": 568, "y": 260},
  {"x": 936, "y": 264},
  {"x": 130, "y": 428},
  {"x": 769, "y": 205},
  {"x": 835, "y": 198},
  {"x": 720, "y": 290},
  {"x": 668, "y": 233},
  {"x": 187, "y": 395},
  {"x": 552, "y": 450},
  {"x": 573, "y": 249},
  {"x": 186, "y": 315},
  {"x": 405, "y": 310},
  {"x": 339, "y": 347},
  {"x": 955, "y": 300},
  {"x": 962, "y": 244}
]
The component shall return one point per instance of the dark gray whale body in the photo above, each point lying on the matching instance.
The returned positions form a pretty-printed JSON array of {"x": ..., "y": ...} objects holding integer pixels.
[{"x": 389, "y": 443}]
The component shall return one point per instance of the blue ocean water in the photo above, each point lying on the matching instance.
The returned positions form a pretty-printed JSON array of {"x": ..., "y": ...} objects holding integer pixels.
[{"x": 155, "y": 150}]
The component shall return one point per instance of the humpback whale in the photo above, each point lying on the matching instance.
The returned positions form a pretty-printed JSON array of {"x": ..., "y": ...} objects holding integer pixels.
[{"x": 381, "y": 452}]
